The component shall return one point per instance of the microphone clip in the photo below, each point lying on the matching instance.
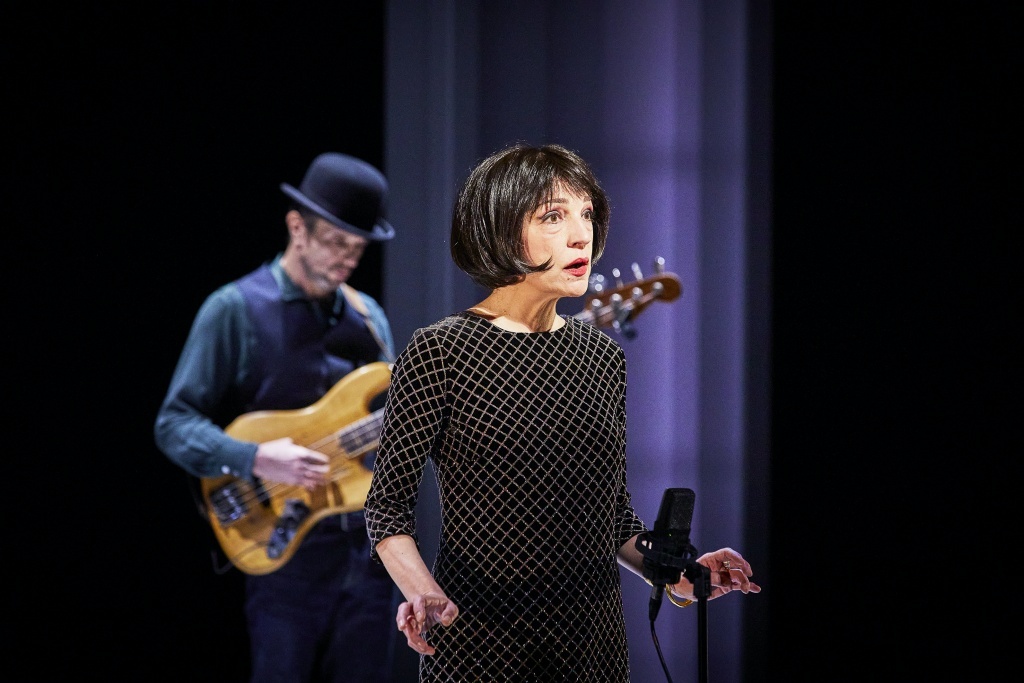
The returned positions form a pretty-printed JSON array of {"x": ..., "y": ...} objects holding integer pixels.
[{"x": 665, "y": 556}]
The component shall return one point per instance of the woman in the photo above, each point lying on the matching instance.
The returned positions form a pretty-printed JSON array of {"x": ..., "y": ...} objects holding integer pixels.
[{"x": 523, "y": 412}]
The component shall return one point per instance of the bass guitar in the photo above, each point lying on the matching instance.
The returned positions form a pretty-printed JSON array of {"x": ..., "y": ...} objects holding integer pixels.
[{"x": 259, "y": 525}]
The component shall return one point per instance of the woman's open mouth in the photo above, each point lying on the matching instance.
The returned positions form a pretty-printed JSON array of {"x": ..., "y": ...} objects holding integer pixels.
[{"x": 578, "y": 268}]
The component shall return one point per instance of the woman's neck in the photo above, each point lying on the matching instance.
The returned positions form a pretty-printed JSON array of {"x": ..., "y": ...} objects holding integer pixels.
[{"x": 509, "y": 310}]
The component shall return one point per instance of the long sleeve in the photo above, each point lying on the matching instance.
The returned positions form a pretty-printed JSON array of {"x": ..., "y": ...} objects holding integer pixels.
[
  {"x": 629, "y": 523},
  {"x": 186, "y": 428},
  {"x": 412, "y": 424}
]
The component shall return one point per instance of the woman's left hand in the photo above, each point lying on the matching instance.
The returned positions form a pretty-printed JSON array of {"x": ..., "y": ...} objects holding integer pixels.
[{"x": 729, "y": 572}]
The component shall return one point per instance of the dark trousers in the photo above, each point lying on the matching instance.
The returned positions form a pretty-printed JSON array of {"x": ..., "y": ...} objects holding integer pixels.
[{"x": 326, "y": 615}]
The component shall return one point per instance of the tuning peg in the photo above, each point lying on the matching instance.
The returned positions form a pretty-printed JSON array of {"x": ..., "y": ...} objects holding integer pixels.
[
  {"x": 621, "y": 317},
  {"x": 637, "y": 273},
  {"x": 597, "y": 283},
  {"x": 659, "y": 265},
  {"x": 618, "y": 278}
]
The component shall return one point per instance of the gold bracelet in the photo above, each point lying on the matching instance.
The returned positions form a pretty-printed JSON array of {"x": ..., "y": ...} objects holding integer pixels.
[
  {"x": 676, "y": 601},
  {"x": 671, "y": 596}
]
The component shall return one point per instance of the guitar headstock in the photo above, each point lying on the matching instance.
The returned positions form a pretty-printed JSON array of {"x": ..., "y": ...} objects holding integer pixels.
[{"x": 617, "y": 306}]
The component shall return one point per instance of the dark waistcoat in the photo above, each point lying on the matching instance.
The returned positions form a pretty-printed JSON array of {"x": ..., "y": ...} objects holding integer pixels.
[{"x": 301, "y": 351}]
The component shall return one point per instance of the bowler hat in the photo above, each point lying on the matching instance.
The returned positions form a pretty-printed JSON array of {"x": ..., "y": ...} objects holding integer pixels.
[{"x": 347, "y": 192}]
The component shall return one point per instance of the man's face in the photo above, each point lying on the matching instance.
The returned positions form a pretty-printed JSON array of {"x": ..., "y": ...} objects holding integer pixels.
[{"x": 331, "y": 254}]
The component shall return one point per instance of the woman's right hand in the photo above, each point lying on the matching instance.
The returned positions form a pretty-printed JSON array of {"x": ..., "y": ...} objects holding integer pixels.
[{"x": 425, "y": 611}]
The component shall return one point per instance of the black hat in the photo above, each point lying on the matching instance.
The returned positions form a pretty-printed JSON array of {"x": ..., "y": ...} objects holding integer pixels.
[{"x": 347, "y": 192}]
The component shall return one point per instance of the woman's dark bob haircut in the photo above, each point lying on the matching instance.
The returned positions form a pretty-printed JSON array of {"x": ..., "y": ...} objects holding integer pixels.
[{"x": 492, "y": 206}]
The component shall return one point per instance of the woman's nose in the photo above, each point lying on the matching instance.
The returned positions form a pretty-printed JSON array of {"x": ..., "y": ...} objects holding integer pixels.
[{"x": 581, "y": 232}]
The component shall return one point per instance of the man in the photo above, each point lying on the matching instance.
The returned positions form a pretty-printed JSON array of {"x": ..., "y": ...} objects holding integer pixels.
[{"x": 279, "y": 339}]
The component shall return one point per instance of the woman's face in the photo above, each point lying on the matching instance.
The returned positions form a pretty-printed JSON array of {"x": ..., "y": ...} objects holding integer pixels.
[{"x": 560, "y": 229}]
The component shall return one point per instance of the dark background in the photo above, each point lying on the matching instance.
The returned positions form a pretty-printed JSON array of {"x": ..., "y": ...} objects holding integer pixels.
[
  {"x": 144, "y": 153},
  {"x": 895, "y": 305}
]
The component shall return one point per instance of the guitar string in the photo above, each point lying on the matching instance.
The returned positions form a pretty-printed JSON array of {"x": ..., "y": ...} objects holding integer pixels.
[{"x": 326, "y": 446}]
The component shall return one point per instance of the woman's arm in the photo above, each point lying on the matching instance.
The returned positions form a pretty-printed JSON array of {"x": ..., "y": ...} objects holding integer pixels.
[{"x": 426, "y": 604}]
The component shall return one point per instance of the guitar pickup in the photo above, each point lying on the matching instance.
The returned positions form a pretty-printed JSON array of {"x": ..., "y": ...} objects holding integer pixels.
[
  {"x": 295, "y": 511},
  {"x": 230, "y": 502}
]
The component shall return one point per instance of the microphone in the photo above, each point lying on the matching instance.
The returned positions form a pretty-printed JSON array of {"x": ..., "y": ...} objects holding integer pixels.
[{"x": 667, "y": 548}]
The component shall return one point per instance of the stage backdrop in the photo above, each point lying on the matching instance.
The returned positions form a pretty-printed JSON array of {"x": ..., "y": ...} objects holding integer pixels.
[{"x": 661, "y": 97}]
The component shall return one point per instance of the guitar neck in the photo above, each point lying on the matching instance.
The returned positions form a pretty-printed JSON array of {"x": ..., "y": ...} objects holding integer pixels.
[{"x": 362, "y": 435}]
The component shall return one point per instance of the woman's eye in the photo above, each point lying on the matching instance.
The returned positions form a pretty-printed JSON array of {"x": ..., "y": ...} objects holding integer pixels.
[
  {"x": 551, "y": 217},
  {"x": 588, "y": 214}
]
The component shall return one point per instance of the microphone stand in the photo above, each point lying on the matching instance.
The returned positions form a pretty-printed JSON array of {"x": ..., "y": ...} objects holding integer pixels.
[{"x": 700, "y": 577}]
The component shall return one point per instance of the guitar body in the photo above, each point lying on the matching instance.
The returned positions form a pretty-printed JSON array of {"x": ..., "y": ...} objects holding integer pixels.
[{"x": 260, "y": 525}]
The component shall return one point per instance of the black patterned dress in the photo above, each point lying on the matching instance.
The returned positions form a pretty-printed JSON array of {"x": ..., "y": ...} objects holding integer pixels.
[{"x": 527, "y": 432}]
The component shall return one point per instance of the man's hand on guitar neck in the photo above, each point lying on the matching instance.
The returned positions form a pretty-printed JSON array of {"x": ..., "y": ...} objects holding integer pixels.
[{"x": 285, "y": 461}]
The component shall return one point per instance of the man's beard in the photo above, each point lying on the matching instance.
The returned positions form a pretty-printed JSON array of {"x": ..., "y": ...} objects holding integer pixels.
[{"x": 321, "y": 282}]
